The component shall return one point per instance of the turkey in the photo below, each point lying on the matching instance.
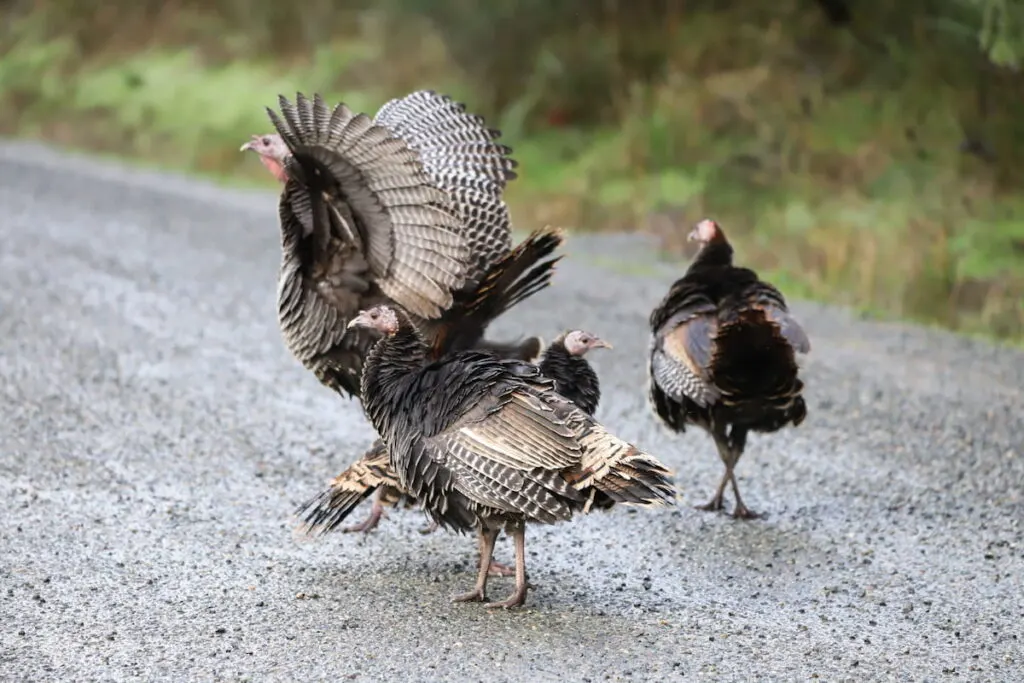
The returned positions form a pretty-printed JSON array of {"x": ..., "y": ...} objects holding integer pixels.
[
  {"x": 562, "y": 362},
  {"x": 407, "y": 208},
  {"x": 328, "y": 509},
  {"x": 722, "y": 356},
  {"x": 574, "y": 378},
  {"x": 485, "y": 443}
]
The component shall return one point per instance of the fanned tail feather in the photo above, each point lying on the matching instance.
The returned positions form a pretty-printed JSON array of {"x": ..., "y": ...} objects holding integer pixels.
[
  {"x": 380, "y": 196},
  {"x": 505, "y": 284},
  {"x": 461, "y": 155},
  {"x": 754, "y": 366}
]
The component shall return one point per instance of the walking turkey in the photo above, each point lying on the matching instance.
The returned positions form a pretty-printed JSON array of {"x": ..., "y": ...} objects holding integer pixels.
[
  {"x": 722, "y": 356},
  {"x": 561, "y": 362},
  {"x": 408, "y": 208},
  {"x": 483, "y": 442}
]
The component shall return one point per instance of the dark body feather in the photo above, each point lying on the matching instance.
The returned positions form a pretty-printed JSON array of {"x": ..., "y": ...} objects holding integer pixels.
[
  {"x": 573, "y": 377},
  {"x": 722, "y": 357}
]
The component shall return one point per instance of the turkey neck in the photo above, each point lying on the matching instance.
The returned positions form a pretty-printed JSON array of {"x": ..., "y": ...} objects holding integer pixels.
[
  {"x": 392, "y": 358},
  {"x": 717, "y": 252},
  {"x": 574, "y": 378}
]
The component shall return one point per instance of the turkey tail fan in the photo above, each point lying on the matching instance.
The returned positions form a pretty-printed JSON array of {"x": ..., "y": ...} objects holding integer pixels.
[
  {"x": 376, "y": 186},
  {"x": 330, "y": 508},
  {"x": 461, "y": 155},
  {"x": 752, "y": 359}
]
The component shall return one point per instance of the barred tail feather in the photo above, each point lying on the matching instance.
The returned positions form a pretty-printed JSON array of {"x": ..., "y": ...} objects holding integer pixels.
[
  {"x": 409, "y": 228},
  {"x": 505, "y": 283},
  {"x": 329, "y": 508},
  {"x": 462, "y": 156}
]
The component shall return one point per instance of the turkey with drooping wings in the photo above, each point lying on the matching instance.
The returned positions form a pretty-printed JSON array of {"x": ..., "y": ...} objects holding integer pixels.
[
  {"x": 722, "y": 356},
  {"x": 485, "y": 443}
]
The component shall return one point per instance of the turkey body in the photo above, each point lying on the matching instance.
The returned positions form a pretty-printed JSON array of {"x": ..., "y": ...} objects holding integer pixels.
[
  {"x": 484, "y": 443},
  {"x": 574, "y": 378},
  {"x": 722, "y": 357}
]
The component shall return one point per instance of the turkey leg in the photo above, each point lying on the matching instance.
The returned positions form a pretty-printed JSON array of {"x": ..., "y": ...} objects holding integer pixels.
[
  {"x": 497, "y": 568},
  {"x": 518, "y": 596},
  {"x": 371, "y": 522},
  {"x": 715, "y": 504},
  {"x": 738, "y": 439},
  {"x": 486, "y": 538}
]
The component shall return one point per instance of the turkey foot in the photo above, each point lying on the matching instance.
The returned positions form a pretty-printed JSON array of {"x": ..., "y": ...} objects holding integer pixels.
[
  {"x": 518, "y": 596},
  {"x": 429, "y": 529},
  {"x": 499, "y": 569},
  {"x": 370, "y": 523},
  {"x": 486, "y": 540},
  {"x": 475, "y": 595},
  {"x": 713, "y": 505},
  {"x": 740, "y": 511}
]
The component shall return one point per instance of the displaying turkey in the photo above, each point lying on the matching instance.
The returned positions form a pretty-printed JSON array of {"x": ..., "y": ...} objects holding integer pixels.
[
  {"x": 484, "y": 442},
  {"x": 562, "y": 362},
  {"x": 408, "y": 208},
  {"x": 722, "y": 356}
]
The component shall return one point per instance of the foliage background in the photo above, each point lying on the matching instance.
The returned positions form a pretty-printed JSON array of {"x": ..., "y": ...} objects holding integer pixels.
[{"x": 868, "y": 155}]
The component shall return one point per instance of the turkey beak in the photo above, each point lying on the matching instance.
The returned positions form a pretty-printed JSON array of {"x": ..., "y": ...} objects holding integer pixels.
[
  {"x": 356, "y": 321},
  {"x": 599, "y": 343},
  {"x": 693, "y": 236},
  {"x": 249, "y": 145}
]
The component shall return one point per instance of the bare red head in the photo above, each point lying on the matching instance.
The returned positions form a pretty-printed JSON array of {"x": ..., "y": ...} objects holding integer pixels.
[
  {"x": 272, "y": 150},
  {"x": 706, "y": 232},
  {"x": 381, "y": 318},
  {"x": 578, "y": 342}
]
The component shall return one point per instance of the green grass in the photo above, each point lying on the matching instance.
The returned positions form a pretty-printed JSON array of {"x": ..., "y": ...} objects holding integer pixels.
[{"x": 844, "y": 182}]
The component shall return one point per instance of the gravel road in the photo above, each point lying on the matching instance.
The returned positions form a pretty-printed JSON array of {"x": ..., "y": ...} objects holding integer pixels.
[{"x": 156, "y": 437}]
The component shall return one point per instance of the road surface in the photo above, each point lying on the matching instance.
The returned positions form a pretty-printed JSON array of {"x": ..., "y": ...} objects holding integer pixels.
[{"x": 156, "y": 437}]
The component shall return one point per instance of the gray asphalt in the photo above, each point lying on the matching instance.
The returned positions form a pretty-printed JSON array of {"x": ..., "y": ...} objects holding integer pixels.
[{"x": 156, "y": 437}]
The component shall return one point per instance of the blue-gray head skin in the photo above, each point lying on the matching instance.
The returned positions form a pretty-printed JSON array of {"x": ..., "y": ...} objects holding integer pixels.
[
  {"x": 272, "y": 151},
  {"x": 578, "y": 342}
]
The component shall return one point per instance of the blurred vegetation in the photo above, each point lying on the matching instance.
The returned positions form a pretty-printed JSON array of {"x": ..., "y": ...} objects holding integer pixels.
[{"x": 870, "y": 158}]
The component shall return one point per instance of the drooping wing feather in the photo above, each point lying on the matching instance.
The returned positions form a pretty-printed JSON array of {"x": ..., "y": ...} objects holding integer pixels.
[
  {"x": 329, "y": 508},
  {"x": 770, "y": 300},
  {"x": 462, "y": 157},
  {"x": 620, "y": 470},
  {"x": 356, "y": 182},
  {"x": 681, "y": 353}
]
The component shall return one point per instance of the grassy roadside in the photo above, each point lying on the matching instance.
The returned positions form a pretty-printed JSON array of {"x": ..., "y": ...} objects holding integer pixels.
[{"x": 837, "y": 170}]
